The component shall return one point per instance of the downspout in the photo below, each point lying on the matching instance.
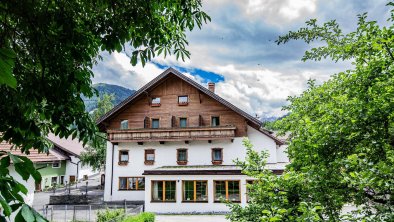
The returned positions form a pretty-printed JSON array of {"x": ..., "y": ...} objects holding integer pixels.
[
  {"x": 112, "y": 167},
  {"x": 76, "y": 184}
]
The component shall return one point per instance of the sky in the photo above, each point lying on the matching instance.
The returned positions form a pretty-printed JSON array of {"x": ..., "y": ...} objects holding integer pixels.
[{"x": 237, "y": 51}]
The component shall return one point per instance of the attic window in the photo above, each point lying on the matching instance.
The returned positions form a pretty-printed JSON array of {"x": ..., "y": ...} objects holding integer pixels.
[
  {"x": 183, "y": 100},
  {"x": 56, "y": 164},
  {"x": 215, "y": 121},
  {"x": 124, "y": 124},
  {"x": 155, "y": 101}
]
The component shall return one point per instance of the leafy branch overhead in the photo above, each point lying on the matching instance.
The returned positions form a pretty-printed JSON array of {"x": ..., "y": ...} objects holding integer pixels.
[{"x": 48, "y": 49}]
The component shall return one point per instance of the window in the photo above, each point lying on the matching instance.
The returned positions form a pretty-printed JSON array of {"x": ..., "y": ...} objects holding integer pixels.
[
  {"x": 131, "y": 183},
  {"x": 124, "y": 124},
  {"x": 183, "y": 100},
  {"x": 227, "y": 190},
  {"x": 155, "y": 101},
  {"x": 163, "y": 191},
  {"x": 183, "y": 122},
  {"x": 217, "y": 156},
  {"x": 123, "y": 157},
  {"x": 181, "y": 156},
  {"x": 155, "y": 123},
  {"x": 249, "y": 184},
  {"x": 61, "y": 180},
  {"x": 56, "y": 164},
  {"x": 149, "y": 157},
  {"x": 195, "y": 191},
  {"x": 215, "y": 121},
  {"x": 53, "y": 181}
]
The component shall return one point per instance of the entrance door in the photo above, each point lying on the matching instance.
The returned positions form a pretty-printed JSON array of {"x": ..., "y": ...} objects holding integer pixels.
[{"x": 72, "y": 179}]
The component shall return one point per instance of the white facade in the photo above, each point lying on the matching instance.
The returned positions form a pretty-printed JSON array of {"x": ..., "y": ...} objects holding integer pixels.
[
  {"x": 74, "y": 168},
  {"x": 199, "y": 154}
]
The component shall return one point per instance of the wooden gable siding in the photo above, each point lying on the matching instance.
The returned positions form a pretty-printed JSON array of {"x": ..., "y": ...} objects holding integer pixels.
[{"x": 168, "y": 91}]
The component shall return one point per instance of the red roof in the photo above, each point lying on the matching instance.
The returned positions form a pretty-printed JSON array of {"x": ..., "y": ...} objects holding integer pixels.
[{"x": 34, "y": 155}]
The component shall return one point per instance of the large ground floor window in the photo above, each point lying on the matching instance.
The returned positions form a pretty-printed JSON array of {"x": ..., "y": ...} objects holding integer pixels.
[
  {"x": 131, "y": 183},
  {"x": 195, "y": 191},
  {"x": 227, "y": 190},
  {"x": 163, "y": 191}
]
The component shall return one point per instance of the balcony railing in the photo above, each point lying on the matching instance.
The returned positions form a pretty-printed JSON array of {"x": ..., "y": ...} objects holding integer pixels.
[{"x": 172, "y": 134}]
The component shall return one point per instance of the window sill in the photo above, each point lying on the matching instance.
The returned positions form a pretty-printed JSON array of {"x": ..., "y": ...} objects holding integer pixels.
[
  {"x": 191, "y": 201},
  {"x": 130, "y": 190},
  {"x": 181, "y": 162},
  {"x": 216, "y": 201},
  {"x": 217, "y": 162},
  {"x": 183, "y": 104},
  {"x": 123, "y": 163},
  {"x": 149, "y": 162},
  {"x": 160, "y": 201},
  {"x": 155, "y": 104}
]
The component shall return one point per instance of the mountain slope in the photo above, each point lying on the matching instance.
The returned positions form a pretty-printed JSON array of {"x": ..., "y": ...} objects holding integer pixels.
[{"x": 120, "y": 93}]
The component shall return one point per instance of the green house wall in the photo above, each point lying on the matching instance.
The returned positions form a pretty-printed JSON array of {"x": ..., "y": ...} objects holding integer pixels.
[{"x": 47, "y": 172}]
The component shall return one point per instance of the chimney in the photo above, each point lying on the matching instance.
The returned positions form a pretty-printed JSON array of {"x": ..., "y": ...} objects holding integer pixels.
[{"x": 211, "y": 87}]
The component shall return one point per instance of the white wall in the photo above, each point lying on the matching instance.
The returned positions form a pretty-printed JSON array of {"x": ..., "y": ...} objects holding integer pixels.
[
  {"x": 29, "y": 184},
  {"x": 71, "y": 169},
  {"x": 179, "y": 207},
  {"x": 199, "y": 153}
]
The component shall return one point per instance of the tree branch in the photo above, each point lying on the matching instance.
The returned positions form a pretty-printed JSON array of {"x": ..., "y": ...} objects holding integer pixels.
[{"x": 388, "y": 50}]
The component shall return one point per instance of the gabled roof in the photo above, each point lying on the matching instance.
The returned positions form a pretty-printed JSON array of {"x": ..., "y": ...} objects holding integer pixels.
[
  {"x": 255, "y": 123},
  {"x": 69, "y": 145},
  {"x": 34, "y": 155}
]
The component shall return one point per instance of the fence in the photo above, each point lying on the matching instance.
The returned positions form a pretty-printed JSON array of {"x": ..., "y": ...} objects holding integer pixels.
[{"x": 83, "y": 213}]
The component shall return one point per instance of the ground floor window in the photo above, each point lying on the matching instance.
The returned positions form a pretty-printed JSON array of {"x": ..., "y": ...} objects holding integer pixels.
[
  {"x": 131, "y": 183},
  {"x": 61, "y": 180},
  {"x": 227, "y": 190},
  {"x": 163, "y": 191},
  {"x": 53, "y": 181},
  {"x": 195, "y": 190}
]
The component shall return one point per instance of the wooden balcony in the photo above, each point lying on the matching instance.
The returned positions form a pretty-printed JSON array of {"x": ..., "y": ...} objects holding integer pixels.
[{"x": 172, "y": 134}]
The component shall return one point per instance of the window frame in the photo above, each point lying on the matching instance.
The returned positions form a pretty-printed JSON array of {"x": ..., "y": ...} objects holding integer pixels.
[
  {"x": 216, "y": 162},
  {"x": 128, "y": 182},
  {"x": 194, "y": 191},
  {"x": 218, "y": 117},
  {"x": 226, "y": 189},
  {"x": 155, "y": 104},
  {"x": 123, "y": 163},
  {"x": 122, "y": 122},
  {"x": 183, "y": 103},
  {"x": 182, "y": 162},
  {"x": 154, "y": 119},
  {"x": 163, "y": 199},
  {"x": 58, "y": 162},
  {"x": 149, "y": 151},
  {"x": 180, "y": 122}
]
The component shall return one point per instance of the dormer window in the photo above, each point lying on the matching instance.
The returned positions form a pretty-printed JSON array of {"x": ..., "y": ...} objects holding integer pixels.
[
  {"x": 155, "y": 101},
  {"x": 124, "y": 124},
  {"x": 183, "y": 100}
]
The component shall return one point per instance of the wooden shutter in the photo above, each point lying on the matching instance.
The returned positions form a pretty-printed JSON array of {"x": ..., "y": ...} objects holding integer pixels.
[
  {"x": 200, "y": 123},
  {"x": 173, "y": 121},
  {"x": 146, "y": 122}
]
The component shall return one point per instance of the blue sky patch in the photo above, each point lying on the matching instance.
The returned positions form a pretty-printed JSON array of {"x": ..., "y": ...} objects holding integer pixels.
[{"x": 205, "y": 75}]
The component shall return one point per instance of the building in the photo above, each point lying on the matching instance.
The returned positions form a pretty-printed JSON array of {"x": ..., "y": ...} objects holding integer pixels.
[
  {"x": 172, "y": 146},
  {"x": 60, "y": 166}
]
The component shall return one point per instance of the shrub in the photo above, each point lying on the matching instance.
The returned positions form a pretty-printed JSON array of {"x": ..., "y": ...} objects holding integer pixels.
[
  {"x": 110, "y": 215},
  {"x": 142, "y": 217}
]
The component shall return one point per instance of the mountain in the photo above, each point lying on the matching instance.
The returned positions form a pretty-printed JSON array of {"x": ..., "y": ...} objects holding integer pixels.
[{"x": 120, "y": 93}]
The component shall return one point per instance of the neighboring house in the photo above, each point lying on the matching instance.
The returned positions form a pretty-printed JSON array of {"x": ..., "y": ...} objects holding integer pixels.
[
  {"x": 172, "y": 145},
  {"x": 72, "y": 148}
]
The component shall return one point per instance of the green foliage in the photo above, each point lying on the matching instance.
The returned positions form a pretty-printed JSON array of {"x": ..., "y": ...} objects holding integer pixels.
[
  {"x": 142, "y": 217},
  {"x": 94, "y": 153},
  {"x": 110, "y": 215},
  {"x": 48, "y": 49},
  {"x": 342, "y": 132},
  {"x": 272, "y": 197}
]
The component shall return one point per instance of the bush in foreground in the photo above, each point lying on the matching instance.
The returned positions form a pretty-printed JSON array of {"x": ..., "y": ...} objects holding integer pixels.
[
  {"x": 142, "y": 217},
  {"x": 110, "y": 215}
]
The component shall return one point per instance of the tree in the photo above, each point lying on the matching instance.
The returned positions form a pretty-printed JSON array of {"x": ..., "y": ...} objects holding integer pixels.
[
  {"x": 47, "y": 50},
  {"x": 94, "y": 154},
  {"x": 342, "y": 132}
]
